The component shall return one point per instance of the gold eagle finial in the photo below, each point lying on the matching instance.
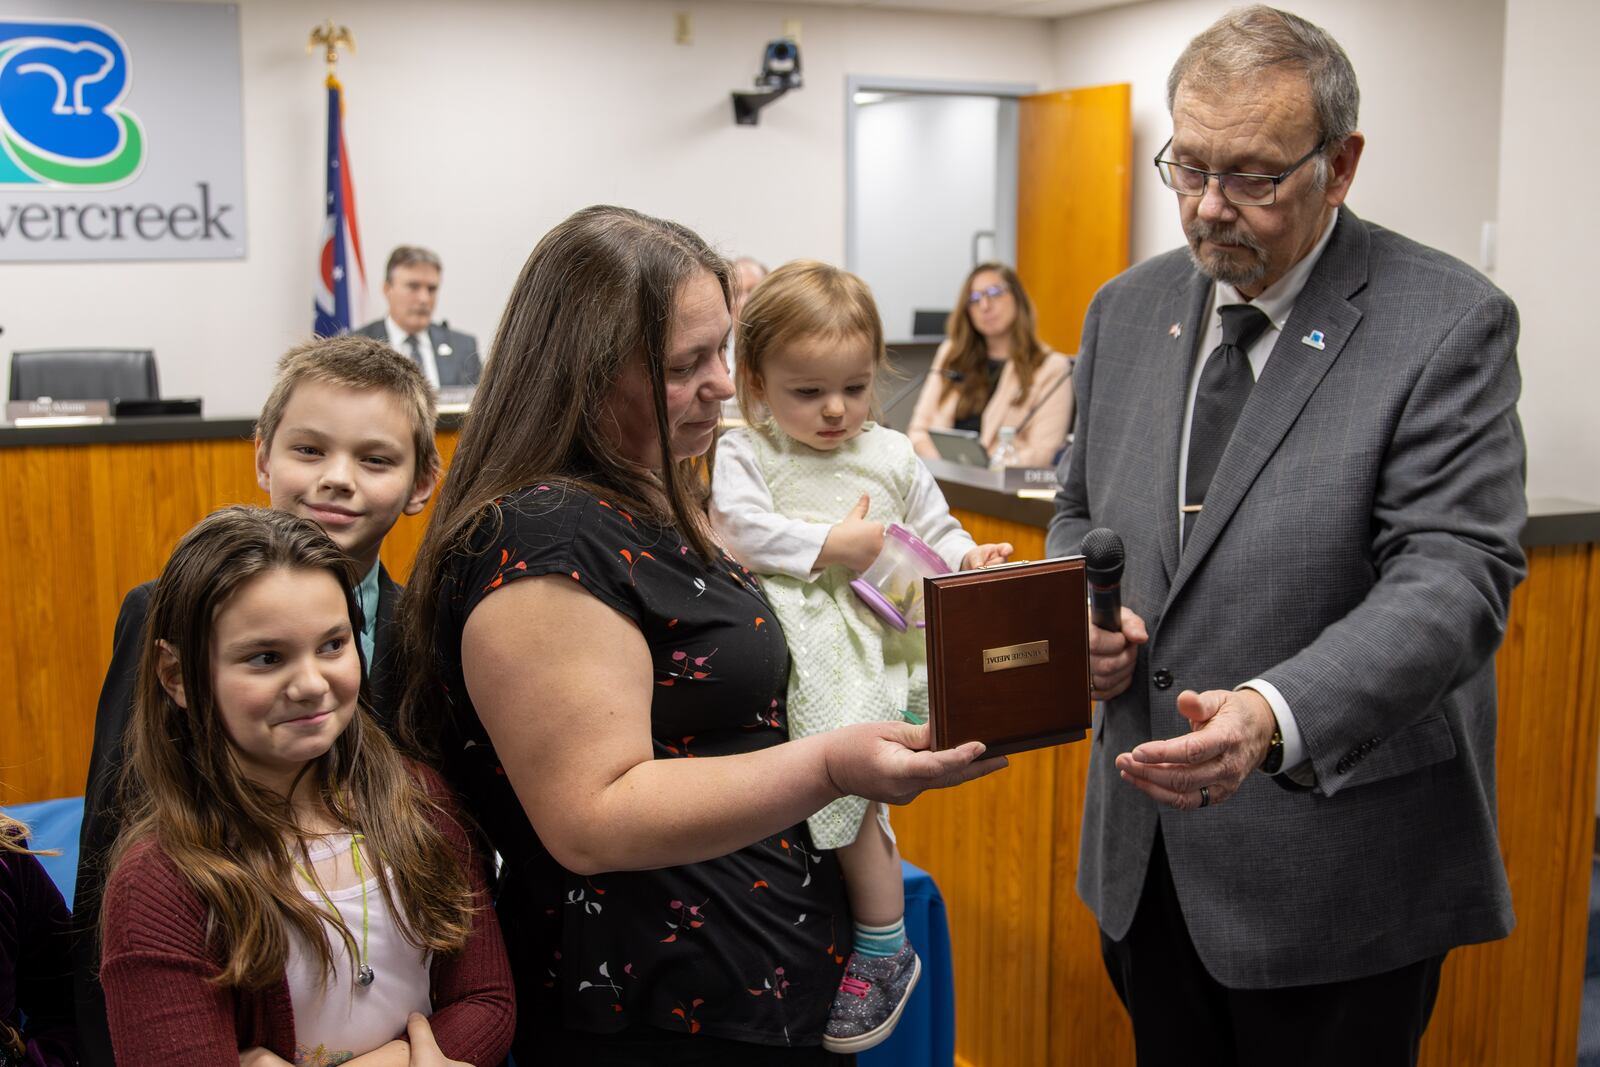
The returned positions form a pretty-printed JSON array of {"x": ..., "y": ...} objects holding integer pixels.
[{"x": 330, "y": 38}]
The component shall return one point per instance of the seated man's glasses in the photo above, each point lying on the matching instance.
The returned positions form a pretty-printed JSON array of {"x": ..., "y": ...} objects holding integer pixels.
[
  {"x": 1241, "y": 190},
  {"x": 993, "y": 292}
]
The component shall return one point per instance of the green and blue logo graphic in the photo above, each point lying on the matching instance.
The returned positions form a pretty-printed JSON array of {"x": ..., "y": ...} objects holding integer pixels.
[{"x": 60, "y": 126}]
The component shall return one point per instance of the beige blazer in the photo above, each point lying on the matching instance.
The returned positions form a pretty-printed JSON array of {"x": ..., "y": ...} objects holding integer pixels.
[{"x": 1049, "y": 402}]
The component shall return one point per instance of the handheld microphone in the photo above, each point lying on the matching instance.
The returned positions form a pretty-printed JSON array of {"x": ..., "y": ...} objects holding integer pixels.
[{"x": 1103, "y": 559}]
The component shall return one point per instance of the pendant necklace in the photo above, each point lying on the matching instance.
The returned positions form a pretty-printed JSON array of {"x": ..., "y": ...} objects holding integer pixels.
[{"x": 364, "y": 973}]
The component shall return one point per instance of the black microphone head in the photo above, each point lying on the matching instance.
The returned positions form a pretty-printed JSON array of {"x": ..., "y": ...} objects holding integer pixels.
[{"x": 1103, "y": 556}]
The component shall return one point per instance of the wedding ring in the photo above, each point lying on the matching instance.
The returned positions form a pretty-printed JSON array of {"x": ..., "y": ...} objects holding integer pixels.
[{"x": 1205, "y": 796}]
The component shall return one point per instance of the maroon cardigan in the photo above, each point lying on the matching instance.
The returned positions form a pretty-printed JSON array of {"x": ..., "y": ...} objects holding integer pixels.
[{"x": 156, "y": 969}]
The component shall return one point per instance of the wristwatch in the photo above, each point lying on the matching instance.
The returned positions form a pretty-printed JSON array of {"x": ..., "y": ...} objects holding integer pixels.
[{"x": 1274, "y": 761}]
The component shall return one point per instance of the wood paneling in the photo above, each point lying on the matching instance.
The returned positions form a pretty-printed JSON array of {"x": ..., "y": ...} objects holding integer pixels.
[
  {"x": 84, "y": 523},
  {"x": 1074, "y": 200},
  {"x": 1517, "y": 1000},
  {"x": 81, "y": 525},
  {"x": 1007, "y": 864},
  {"x": 1005, "y": 856}
]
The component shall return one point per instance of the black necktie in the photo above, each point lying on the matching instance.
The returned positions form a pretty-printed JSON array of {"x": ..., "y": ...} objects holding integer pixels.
[
  {"x": 1225, "y": 384},
  {"x": 414, "y": 349}
]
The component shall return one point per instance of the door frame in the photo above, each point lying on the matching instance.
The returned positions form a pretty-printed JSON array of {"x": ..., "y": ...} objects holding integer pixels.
[{"x": 1005, "y": 177}]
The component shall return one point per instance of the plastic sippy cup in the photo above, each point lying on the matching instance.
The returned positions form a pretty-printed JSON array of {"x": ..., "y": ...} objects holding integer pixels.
[{"x": 892, "y": 586}]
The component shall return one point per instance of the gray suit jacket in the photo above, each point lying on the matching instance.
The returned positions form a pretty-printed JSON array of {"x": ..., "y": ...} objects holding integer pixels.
[
  {"x": 456, "y": 353},
  {"x": 1358, "y": 549}
]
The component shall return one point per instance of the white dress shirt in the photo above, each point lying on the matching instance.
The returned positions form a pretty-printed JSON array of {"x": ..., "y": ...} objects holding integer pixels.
[
  {"x": 397, "y": 340},
  {"x": 1276, "y": 302}
]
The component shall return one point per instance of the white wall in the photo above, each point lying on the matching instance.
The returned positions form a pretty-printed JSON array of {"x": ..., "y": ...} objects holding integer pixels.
[
  {"x": 1549, "y": 230},
  {"x": 1461, "y": 105},
  {"x": 476, "y": 125},
  {"x": 1430, "y": 93},
  {"x": 925, "y": 182}
]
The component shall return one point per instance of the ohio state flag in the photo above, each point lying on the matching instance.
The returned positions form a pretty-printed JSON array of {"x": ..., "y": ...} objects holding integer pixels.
[{"x": 341, "y": 289}]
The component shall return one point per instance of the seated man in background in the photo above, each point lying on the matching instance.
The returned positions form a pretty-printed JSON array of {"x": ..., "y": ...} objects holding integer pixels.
[
  {"x": 411, "y": 286},
  {"x": 345, "y": 439}
]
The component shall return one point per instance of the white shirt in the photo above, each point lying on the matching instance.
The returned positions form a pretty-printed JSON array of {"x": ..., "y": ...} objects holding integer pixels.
[
  {"x": 1277, "y": 303},
  {"x": 338, "y": 1016},
  {"x": 397, "y": 340},
  {"x": 770, "y": 543}
]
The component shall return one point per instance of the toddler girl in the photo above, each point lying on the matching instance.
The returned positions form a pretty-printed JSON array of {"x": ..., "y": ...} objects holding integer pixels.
[
  {"x": 286, "y": 887},
  {"x": 801, "y": 496}
]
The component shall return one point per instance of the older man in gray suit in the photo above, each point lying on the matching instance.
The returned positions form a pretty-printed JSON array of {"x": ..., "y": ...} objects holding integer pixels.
[{"x": 1305, "y": 430}]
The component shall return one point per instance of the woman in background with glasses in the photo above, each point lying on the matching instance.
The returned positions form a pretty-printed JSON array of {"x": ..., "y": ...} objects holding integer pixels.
[{"x": 993, "y": 373}]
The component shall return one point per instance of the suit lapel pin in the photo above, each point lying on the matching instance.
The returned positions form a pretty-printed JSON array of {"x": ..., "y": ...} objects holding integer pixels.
[
  {"x": 1175, "y": 331},
  {"x": 445, "y": 350},
  {"x": 1313, "y": 340}
]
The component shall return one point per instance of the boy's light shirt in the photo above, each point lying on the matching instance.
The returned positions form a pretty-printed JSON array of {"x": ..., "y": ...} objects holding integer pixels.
[{"x": 367, "y": 597}]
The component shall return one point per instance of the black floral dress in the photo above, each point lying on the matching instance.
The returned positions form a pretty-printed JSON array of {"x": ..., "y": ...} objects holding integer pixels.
[{"x": 747, "y": 947}]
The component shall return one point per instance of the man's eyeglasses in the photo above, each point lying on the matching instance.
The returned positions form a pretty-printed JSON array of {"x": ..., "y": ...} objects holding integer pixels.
[
  {"x": 993, "y": 292},
  {"x": 1241, "y": 190}
]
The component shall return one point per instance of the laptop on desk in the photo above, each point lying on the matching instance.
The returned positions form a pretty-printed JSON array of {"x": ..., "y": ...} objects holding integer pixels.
[{"x": 960, "y": 446}]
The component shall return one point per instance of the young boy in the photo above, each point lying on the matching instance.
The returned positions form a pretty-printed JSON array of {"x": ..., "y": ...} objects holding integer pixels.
[{"x": 345, "y": 439}]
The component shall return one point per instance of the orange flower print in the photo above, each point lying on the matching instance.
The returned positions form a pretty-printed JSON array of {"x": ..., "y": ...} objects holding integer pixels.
[
  {"x": 685, "y": 917},
  {"x": 774, "y": 983},
  {"x": 687, "y": 1014},
  {"x": 686, "y": 668},
  {"x": 632, "y": 562},
  {"x": 500, "y": 575}
]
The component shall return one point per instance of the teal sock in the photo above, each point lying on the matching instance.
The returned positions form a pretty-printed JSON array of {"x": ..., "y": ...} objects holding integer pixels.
[{"x": 880, "y": 941}]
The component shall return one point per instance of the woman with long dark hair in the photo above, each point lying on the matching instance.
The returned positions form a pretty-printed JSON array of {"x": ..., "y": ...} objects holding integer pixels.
[
  {"x": 606, "y": 686},
  {"x": 993, "y": 373}
]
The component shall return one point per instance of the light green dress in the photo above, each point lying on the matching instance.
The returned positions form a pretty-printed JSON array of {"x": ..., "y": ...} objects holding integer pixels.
[{"x": 846, "y": 665}]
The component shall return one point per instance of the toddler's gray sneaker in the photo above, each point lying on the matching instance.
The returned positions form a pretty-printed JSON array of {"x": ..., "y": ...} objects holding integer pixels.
[{"x": 870, "y": 999}]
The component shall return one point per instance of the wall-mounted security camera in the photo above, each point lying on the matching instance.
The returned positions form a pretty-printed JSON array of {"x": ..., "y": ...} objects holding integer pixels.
[{"x": 780, "y": 72}]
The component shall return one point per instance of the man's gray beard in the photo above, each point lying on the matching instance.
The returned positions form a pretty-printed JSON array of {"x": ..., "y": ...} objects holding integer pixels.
[{"x": 1223, "y": 268}]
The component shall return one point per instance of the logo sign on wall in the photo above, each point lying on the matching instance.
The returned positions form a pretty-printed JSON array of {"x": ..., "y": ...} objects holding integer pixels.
[{"x": 120, "y": 131}]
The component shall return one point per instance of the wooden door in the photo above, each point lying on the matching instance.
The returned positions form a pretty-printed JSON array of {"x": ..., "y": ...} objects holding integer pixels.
[{"x": 1074, "y": 201}]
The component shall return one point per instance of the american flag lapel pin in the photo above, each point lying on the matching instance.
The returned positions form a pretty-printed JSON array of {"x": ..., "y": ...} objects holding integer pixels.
[
  {"x": 1314, "y": 339},
  {"x": 1175, "y": 331}
]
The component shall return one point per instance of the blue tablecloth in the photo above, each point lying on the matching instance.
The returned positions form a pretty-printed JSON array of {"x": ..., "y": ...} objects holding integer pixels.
[
  {"x": 927, "y": 1030},
  {"x": 53, "y": 824}
]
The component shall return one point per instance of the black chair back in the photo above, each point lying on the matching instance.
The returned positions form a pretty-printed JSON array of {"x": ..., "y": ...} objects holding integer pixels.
[
  {"x": 926, "y": 323},
  {"x": 84, "y": 374}
]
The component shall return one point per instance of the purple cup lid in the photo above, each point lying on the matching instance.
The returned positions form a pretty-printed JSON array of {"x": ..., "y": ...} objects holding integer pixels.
[
  {"x": 918, "y": 546},
  {"x": 876, "y": 601}
]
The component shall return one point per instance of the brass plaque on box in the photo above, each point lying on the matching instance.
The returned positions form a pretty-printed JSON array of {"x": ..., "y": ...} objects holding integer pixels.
[
  {"x": 982, "y": 626},
  {"x": 1010, "y": 657}
]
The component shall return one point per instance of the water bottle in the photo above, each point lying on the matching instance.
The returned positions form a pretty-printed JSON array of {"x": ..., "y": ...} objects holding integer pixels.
[{"x": 1005, "y": 450}]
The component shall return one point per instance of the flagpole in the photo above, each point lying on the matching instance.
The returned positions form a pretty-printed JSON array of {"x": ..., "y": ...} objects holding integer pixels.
[{"x": 340, "y": 289}]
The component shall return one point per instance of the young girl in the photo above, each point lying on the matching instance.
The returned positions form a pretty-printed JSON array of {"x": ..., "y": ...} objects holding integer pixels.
[
  {"x": 287, "y": 888},
  {"x": 35, "y": 975},
  {"x": 801, "y": 496}
]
